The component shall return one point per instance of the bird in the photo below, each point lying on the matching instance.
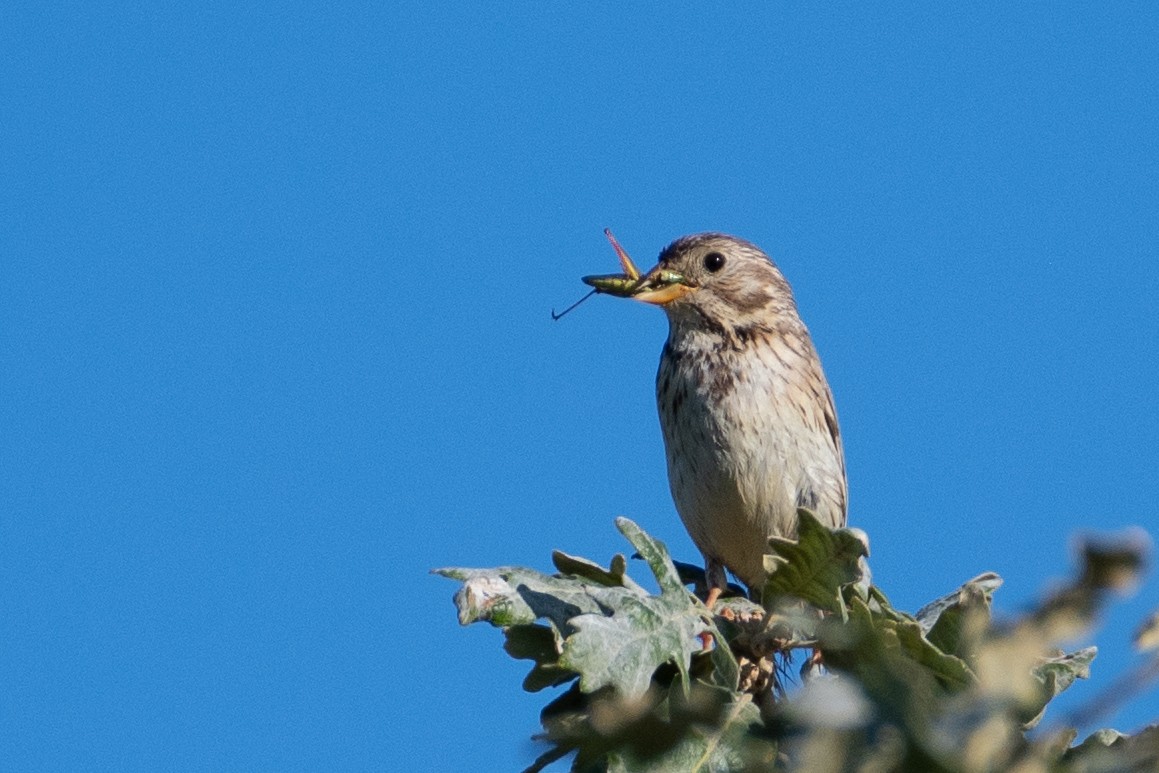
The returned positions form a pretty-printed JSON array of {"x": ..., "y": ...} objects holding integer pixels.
[{"x": 748, "y": 420}]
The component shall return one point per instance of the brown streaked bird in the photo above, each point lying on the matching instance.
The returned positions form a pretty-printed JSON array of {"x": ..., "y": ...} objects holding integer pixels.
[{"x": 748, "y": 420}]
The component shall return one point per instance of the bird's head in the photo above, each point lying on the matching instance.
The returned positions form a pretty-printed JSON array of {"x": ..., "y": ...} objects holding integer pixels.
[{"x": 717, "y": 281}]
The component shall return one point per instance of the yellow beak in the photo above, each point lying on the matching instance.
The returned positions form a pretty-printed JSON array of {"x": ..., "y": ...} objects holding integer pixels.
[{"x": 660, "y": 287}]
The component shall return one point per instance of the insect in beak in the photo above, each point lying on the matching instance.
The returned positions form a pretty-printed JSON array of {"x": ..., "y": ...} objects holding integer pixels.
[{"x": 658, "y": 286}]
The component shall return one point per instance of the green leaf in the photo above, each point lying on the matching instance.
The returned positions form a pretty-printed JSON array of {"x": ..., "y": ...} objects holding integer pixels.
[
  {"x": 727, "y": 743},
  {"x": 614, "y": 633},
  {"x": 726, "y": 672},
  {"x": 866, "y": 648},
  {"x": 1055, "y": 674},
  {"x": 709, "y": 729},
  {"x": 1109, "y": 751},
  {"x": 895, "y": 627},
  {"x": 814, "y": 566},
  {"x": 541, "y": 644},
  {"x": 655, "y": 554},
  {"x": 951, "y": 671},
  {"x": 954, "y": 622},
  {"x": 624, "y": 649},
  {"x": 900, "y": 670},
  {"x": 517, "y": 596},
  {"x": 616, "y": 575}
]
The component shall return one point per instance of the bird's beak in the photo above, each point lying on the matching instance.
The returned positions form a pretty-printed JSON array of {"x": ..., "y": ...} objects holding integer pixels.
[{"x": 661, "y": 286}]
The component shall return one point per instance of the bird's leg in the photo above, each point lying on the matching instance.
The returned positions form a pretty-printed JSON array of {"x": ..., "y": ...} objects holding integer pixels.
[
  {"x": 717, "y": 580},
  {"x": 712, "y": 597}
]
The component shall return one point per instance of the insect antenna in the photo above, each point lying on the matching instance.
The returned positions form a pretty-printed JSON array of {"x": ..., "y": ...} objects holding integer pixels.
[{"x": 556, "y": 317}]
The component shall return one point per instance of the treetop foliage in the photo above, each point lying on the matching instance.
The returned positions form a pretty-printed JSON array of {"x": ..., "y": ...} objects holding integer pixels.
[{"x": 657, "y": 682}]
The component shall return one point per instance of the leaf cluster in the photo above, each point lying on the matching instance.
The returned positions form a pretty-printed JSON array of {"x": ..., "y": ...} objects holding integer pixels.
[{"x": 657, "y": 682}]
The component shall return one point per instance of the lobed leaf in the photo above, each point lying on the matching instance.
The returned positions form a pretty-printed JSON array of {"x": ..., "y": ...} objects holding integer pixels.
[
  {"x": 814, "y": 566},
  {"x": 954, "y": 622},
  {"x": 654, "y": 552},
  {"x": 517, "y": 596},
  {"x": 624, "y": 649},
  {"x": 615, "y": 575},
  {"x": 1054, "y": 674},
  {"x": 726, "y": 744},
  {"x": 541, "y": 644}
]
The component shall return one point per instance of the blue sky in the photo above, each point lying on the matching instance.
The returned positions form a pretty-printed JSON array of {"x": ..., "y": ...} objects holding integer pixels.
[{"x": 275, "y": 297}]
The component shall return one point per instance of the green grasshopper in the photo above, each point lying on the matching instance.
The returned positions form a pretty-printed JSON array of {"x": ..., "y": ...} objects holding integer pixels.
[
  {"x": 613, "y": 284},
  {"x": 626, "y": 284},
  {"x": 623, "y": 285}
]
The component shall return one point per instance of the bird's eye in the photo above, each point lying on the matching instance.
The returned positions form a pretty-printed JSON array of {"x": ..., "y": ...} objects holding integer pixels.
[{"x": 713, "y": 262}]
